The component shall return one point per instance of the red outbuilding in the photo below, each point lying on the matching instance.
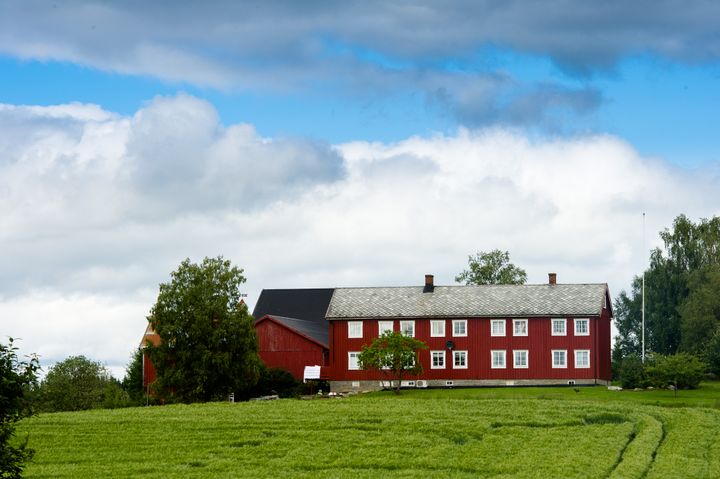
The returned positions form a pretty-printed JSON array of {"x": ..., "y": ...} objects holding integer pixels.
[
  {"x": 291, "y": 344},
  {"x": 291, "y": 328}
]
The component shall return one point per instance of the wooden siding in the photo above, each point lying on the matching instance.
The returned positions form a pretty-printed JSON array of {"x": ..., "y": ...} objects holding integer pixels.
[
  {"x": 149, "y": 373},
  {"x": 281, "y": 347},
  {"x": 479, "y": 343}
]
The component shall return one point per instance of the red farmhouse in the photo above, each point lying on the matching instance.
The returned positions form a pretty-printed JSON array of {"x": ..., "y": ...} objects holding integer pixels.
[{"x": 477, "y": 335}]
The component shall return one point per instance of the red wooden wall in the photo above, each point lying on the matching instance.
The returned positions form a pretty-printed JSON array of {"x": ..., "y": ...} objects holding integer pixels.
[
  {"x": 479, "y": 343},
  {"x": 282, "y": 347},
  {"x": 148, "y": 368}
]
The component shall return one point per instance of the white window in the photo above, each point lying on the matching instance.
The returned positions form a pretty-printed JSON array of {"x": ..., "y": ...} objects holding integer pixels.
[
  {"x": 582, "y": 358},
  {"x": 497, "y": 327},
  {"x": 353, "y": 363},
  {"x": 520, "y": 358},
  {"x": 437, "y": 329},
  {"x": 498, "y": 359},
  {"x": 558, "y": 327},
  {"x": 437, "y": 359},
  {"x": 559, "y": 358},
  {"x": 459, "y": 327},
  {"x": 582, "y": 327},
  {"x": 520, "y": 327},
  {"x": 459, "y": 359},
  {"x": 384, "y": 326},
  {"x": 408, "y": 328},
  {"x": 355, "y": 329}
]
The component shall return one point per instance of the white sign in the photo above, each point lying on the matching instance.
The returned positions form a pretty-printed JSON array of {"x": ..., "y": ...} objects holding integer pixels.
[{"x": 311, "y": 372}]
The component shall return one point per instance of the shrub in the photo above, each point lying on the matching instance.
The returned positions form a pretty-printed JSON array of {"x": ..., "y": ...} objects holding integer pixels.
[
  {"x": 682, "y": 370},
  {"x": 276, "y": 381},
  {"x": 632, "y": 372},
  {"x": 15, "y": 379}
]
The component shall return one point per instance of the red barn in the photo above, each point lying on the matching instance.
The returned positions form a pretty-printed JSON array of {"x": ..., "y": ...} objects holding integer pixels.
[
  {"x": 291, "y": 328},
  {"x": 477, "y": 335}
]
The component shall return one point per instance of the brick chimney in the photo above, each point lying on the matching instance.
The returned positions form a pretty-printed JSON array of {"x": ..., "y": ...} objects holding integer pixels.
[
  {"x": 429, "y": 283},
  {"x": 552, "y": 278}
]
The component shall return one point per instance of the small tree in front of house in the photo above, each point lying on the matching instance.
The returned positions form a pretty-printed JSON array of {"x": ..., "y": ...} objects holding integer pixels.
[{"x": 395, "y": 355}]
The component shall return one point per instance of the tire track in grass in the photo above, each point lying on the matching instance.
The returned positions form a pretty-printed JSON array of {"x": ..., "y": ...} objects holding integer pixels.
[
  {"x": 637, "y": 456},
  {"x": 657, "y": 448}
]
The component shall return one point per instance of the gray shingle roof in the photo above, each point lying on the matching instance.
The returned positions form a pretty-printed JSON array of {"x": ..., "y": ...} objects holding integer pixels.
[{"x": 468, "y": 301}]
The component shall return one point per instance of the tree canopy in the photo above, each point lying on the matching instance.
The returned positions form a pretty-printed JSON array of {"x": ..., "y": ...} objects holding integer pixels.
[
  {"x": 78, "y": 383},
  {"x": 395, "y": 354},
  {"x": 492, "y": 267},
  {"x": 208, "y": 346},
  {"x": 16, "y": 377},
  {"x": 682, "y": 294}
]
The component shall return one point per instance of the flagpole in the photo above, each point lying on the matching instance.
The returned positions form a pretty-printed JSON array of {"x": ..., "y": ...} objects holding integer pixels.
[{"x": 642, "y": 355}]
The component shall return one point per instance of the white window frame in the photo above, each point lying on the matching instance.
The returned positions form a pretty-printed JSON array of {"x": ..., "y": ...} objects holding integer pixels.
[
  {"x": 578, "y": 321},
  {"x": 355, "y": 329},
  {"x": 436, "y": 322},
  {"x": 412, "y": 326},
  {"x": 554, "y": 364},
  {"x": 384, "y": 326},
  {"x": 552, "y": 326},
  {"x": 586, "y": 351},
  {"x": 437, "y": 354},
  {"x": 503, "y": 353},
  {"x": 493, "y": 322},
  {"x": 465, "y": 354},
  {"x": 355, "y": 355},
  {"x": 515, "y": 359},
  {"x": 520, "y": 321},
  {"x": 465, "y": 327}
]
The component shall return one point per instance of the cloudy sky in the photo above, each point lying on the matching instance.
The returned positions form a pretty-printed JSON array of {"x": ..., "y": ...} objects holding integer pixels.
[{"x": 321, "y": 144}]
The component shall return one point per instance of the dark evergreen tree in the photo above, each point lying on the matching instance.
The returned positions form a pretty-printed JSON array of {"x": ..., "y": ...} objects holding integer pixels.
[{"x": 133, "y": 381}]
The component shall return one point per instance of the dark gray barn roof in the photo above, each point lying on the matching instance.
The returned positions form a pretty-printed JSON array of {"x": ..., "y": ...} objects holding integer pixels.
[
  {"x": 302, "y": 310},
  {"x": 468, "y": 301},
  {"x": 308, "y": 304}
]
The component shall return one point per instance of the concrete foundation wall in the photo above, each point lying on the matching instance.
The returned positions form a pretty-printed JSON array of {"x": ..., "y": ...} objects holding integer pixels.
[{"x": 347, "y": 386}]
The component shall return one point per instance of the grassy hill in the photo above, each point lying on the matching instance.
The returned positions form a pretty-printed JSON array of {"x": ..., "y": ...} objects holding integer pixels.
[{"x": 534, "y": 432}]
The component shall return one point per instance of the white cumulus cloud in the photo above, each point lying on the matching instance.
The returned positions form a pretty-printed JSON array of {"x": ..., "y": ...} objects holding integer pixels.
[{"x": 96, "y": 209}]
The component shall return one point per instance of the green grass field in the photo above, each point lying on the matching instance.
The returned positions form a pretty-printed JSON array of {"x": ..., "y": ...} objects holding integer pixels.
[{"x": 529, "y": 432}]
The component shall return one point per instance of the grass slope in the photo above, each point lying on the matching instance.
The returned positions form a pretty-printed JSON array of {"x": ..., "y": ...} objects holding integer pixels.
[{"x": 543, "y": 432}]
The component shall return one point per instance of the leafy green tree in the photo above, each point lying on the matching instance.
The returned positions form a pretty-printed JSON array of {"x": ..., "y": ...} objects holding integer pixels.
[
  {"x": 700, "y": 312},
  {"x": 76, "y": 384},
  {"x": 208, "y": 346},
  {"x": 493, "y": 267},
  {"x": 16, "y": 377},
  {"x": 712, "y": 353},
  {"x": 682, "y": 371},
  {"x": 629, "y": 324},
  {"x": 675, "y": 276},
  {"x": 394, "y": 354},
  {"x": 133, "y": 381}
]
